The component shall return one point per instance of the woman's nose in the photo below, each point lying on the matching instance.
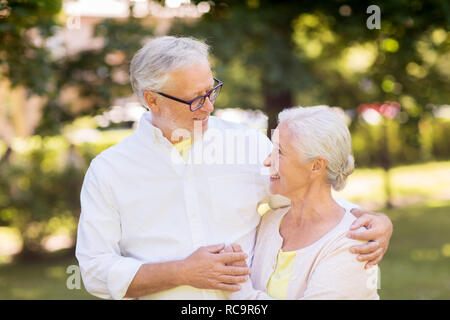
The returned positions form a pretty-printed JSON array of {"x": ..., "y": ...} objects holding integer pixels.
[{"x": 267, "y": 161}]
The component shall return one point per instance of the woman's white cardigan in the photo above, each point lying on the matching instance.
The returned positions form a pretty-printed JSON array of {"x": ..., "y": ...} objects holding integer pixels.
[{"x": 324, "y": 270}]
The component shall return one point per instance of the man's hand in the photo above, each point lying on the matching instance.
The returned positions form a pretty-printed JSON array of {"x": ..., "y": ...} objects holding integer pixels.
[
  {"x": 209, "y": 268},
  {"x": 379, "y": 230},
  {"x": 236, "y": 248}
]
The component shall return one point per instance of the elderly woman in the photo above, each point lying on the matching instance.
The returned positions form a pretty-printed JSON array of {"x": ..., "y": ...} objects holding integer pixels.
[{"x": 302, "y": 251}]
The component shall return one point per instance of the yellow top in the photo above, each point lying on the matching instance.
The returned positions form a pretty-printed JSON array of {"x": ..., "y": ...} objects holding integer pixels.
[
  {"x": 184, "y": 147},
  {"x": 277, "y": 286}
]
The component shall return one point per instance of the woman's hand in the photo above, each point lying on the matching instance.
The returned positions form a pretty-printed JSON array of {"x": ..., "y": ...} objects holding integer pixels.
[{"x": 379, "y": 230}]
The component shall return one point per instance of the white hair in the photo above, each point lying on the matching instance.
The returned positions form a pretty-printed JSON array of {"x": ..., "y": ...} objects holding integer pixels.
[
  {"x": 152, "y": 64},
  {"x": 321, "y": 132}
]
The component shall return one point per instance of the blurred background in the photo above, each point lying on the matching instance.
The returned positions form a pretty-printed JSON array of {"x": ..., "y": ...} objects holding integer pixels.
[{"x": 65, "y": 96}]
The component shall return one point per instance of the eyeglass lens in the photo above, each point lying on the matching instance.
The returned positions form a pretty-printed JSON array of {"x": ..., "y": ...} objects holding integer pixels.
[{"x": 197, "y": 104}]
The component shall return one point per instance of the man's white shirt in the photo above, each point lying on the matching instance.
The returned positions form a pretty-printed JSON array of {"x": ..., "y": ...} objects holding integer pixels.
[{"x": 141, "y": 203}]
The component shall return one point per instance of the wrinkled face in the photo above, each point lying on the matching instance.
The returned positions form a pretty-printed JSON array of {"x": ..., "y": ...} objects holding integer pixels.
[
  {"x": 186, "y": 84},
  {"x": 289, "y": 173}
]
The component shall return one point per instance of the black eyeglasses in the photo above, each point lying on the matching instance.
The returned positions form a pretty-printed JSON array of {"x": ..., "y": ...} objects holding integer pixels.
[{"x": 198, "y": 102}]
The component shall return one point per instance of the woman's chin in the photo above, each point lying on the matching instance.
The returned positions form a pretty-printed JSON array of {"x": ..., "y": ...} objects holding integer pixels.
[{"x": 274, "y": 189}]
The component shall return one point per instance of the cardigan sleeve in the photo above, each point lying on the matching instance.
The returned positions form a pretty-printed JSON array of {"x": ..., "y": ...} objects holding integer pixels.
[
  {"x": 340, "y": 276},
  {"x": 247, "y": 292}
]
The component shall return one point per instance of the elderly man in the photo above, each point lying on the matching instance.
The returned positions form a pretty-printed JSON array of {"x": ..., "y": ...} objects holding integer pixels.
[{"x": 159, "y": 207}]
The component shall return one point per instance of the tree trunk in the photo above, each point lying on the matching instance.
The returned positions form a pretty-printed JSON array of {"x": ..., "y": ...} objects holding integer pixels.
[
  {"x": 5, "y": 158},
  {"x": 386, "y": 165},
  {"x": 274, "y": 103}
]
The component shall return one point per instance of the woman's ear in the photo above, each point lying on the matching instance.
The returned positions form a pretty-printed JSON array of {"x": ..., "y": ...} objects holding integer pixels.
[
  {"x": 150, "y": 99},
  {"x": 319, "y": 164}
]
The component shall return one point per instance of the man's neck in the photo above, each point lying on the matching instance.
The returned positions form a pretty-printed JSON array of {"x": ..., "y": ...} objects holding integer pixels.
[{"x": 170, "y": 132}]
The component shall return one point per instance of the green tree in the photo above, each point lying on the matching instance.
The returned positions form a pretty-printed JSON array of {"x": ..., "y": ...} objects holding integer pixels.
[
  {"x": 292, "y": 52},
  {"x": 24, "y": 28},
  {"x": 100, "y": 75},
  {"x": 276, "y": 54}
]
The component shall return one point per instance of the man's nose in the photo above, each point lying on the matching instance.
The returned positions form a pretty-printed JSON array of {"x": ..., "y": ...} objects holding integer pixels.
[{"x": 207, "y": 106}]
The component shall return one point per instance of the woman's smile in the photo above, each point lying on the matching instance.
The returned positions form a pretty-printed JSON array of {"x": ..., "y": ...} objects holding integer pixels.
[{"x": 274, "y": 177}]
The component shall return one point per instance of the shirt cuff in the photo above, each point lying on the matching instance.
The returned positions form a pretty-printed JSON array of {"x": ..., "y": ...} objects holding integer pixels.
[{"x": 120, "y": 276}]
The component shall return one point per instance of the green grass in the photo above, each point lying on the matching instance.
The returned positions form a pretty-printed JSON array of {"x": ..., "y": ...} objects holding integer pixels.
[
  {"x": 412, "y": 184},
  {"x": 416, "y": 266},
  {"x": 39, "y": 280}
]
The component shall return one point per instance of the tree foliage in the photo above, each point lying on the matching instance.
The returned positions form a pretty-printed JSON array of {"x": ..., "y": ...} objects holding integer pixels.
[
  {"x": 321, "y": 52},
  {"x": 24, "y": 27},
  {"x": 99, "y": 75}
]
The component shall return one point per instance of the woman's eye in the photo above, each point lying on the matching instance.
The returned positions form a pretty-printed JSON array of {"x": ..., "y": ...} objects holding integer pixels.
[{"x": 279, "y": 151}]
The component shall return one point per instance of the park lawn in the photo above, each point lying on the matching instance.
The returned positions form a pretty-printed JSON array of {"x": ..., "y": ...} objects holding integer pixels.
[
  {"x": 416, "y": 266},
  {"x": 39, "y": 280},
  {"x": 411, "y": 184}
]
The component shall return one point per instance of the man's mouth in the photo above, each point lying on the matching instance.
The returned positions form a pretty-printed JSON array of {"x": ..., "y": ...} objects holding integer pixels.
[
  {"x": 203, "y": 119},
  {"x": 274, "y": 177}
]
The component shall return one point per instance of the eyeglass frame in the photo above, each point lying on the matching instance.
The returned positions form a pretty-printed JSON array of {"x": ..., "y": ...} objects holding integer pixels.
[{"x": 189, "y": 102}]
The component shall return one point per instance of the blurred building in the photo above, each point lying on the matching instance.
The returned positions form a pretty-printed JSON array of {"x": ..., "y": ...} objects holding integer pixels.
[
  {"x": 20, "y": 113},
  {"x": 78, "y": 35},
  {"x": 83, "y": 15}
]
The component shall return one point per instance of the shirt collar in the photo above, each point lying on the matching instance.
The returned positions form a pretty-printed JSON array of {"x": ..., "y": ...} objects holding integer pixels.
[{"x": 147, "y": 131}]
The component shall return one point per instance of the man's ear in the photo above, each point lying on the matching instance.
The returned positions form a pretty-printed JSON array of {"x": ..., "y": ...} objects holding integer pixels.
[{"x": 150, "y": 99}]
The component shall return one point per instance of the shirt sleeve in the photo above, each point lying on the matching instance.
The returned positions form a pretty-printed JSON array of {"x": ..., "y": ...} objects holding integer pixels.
[
  {"x": 340, "y": 276},
  {"x": 105, "y": 272}
]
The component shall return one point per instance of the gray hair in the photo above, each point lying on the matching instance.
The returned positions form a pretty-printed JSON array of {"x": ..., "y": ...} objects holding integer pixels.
[
  {"x": 321, "y": 132},
  {"x": 152, "y": 64}
]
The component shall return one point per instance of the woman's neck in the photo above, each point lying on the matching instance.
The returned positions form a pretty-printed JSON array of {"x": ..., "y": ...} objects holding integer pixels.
[{"x": 315, "y": 205}]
